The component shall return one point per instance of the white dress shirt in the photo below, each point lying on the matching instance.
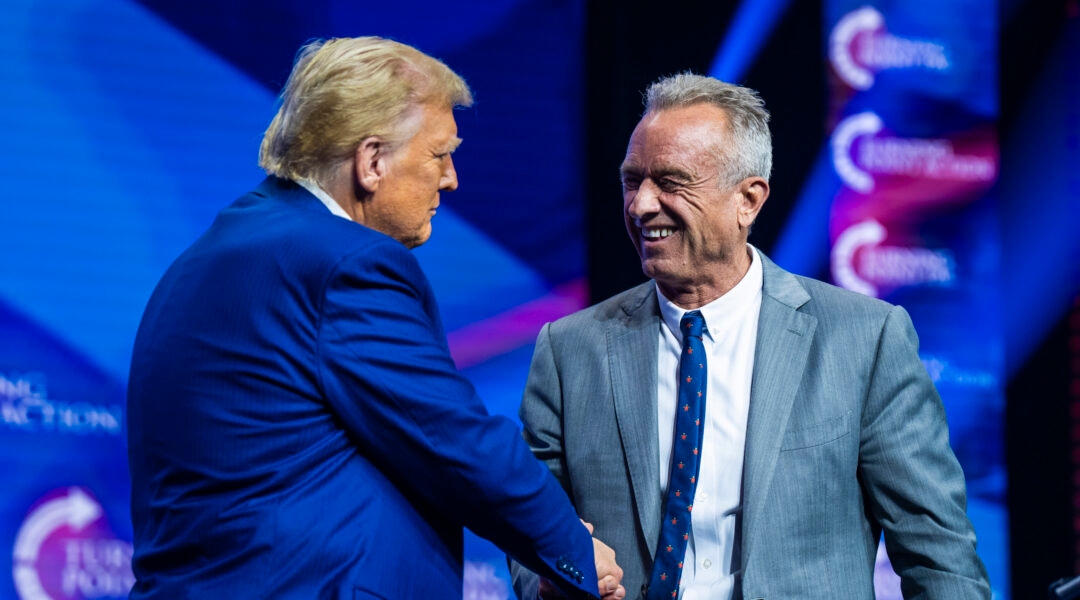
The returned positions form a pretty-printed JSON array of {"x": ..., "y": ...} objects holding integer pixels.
[
  {"x": 730, "y": 339},
  {"x": 325, "y": 198}
]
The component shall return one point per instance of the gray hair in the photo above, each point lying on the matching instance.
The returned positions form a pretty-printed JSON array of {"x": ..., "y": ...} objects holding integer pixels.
[
  {"x": 344, "y": 90},
  {"x": 749, "y": 154}
]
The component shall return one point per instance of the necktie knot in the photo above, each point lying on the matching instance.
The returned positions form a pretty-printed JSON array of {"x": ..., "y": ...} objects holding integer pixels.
[{"x": 692, "y": 324}]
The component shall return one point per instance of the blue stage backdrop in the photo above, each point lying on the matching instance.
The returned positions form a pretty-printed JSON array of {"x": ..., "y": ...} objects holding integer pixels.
[
  {"x": 129, "y": 125},
  {"x": 914, "y": 218}
]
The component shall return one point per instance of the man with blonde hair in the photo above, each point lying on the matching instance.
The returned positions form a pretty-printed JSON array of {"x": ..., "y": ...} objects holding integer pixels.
[{"x": 297, "y": 428}]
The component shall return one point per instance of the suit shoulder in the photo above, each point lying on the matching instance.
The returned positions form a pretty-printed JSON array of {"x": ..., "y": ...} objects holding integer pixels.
[
  {"x": 830, "y": 302},
  {"x": 296, "y": 224},
  {"x": 615, "y": 308},
  {"x": 293, "y": 240}
]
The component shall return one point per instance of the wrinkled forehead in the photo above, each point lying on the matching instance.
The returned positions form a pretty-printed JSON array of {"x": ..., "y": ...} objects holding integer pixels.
[
  {"x": 696, "y": 125},
  {"x": 688, "y": 135}
]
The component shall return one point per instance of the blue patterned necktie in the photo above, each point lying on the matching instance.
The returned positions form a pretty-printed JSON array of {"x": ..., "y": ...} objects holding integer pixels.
[{"x": 685, "y": 455}]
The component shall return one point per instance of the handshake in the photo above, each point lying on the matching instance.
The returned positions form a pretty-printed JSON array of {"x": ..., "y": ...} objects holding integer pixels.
[{"x": 608, "y": 573}]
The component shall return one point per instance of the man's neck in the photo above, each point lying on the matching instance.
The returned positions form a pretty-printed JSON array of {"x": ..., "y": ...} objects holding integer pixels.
[{"x": 721, "y": 280}]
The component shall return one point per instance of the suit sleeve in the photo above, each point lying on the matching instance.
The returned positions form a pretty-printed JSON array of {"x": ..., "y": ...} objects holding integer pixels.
[
  {"x": 914, "y": 484},
  {"x": 541, "y": 415},
  {"x": 386, "y": 370}
]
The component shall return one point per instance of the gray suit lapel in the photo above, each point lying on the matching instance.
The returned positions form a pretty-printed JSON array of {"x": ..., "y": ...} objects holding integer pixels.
[
  {"x": 783, "y": 343},
  {"x": 632, "y": 347}
]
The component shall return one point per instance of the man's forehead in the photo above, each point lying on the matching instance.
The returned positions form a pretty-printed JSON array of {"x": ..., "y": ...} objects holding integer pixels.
[
  {"x": 660, "y": 168},
  {"x": 667, "y": 146},
  {"x": 661, "y": 160},
  {"x": 695, "y": 125}
]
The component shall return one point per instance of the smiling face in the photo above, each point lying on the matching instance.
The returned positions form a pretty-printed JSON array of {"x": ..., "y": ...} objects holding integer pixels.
[
  {"x": 689, "y": 226},
  {"x": 409, "y": 179}
]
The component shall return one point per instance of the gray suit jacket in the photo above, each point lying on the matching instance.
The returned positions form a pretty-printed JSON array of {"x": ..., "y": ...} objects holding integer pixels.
[{"x": 846, "y": 437}]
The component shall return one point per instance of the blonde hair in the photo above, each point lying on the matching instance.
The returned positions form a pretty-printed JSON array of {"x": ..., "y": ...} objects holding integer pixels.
[{"x": 344, "y": 90}]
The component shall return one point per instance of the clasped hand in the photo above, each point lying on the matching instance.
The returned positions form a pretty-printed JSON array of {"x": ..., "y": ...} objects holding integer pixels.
[{"x": 609, "y": 574}]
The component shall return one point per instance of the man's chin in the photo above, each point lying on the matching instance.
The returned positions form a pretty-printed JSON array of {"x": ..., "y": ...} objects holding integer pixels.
[
  {"x": 416, "y": 241},
  {"x": 653, "y": 269},
  {"x": 420, "y": 238}
]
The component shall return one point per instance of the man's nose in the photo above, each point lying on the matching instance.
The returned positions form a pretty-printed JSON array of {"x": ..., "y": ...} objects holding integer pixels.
[
  {"x": 644, "y": 201},
  {"x": 449, "y": 180}
]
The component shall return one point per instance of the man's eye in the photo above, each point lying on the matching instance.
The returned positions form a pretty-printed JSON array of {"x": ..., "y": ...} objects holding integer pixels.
[{"x": 631, "y": 183}]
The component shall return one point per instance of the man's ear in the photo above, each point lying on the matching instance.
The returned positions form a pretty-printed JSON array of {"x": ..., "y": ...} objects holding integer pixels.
[
  {"x": 753, "y": 192},
  {"x": 370, "y": 164}
]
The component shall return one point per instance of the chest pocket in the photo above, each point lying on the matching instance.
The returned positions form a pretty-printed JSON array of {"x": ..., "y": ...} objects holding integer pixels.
[{"x": 818, "y": 434}]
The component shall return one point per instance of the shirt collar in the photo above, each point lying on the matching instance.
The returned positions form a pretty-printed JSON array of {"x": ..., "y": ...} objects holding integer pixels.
[
  {"x": 746, "y": 291},
  {"x": 325, "y": 198}
]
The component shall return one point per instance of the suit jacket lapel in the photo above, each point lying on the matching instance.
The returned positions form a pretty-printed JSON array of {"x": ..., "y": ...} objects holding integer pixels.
[
  {"x": 632, "y": 347},
  {"x": 783, "y": 343}
]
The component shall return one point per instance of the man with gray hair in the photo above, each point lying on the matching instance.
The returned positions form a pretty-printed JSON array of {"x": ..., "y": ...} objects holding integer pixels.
[
  {"x": 733, "y": 430},
  {"x": 297, "y": 427}
]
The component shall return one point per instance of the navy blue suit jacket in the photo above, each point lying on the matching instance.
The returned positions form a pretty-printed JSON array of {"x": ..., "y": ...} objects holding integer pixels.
[{"x": 297, "y": 427}]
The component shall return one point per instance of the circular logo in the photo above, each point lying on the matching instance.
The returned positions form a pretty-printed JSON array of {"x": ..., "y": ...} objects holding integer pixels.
[{"x": 65, "y": 550}]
